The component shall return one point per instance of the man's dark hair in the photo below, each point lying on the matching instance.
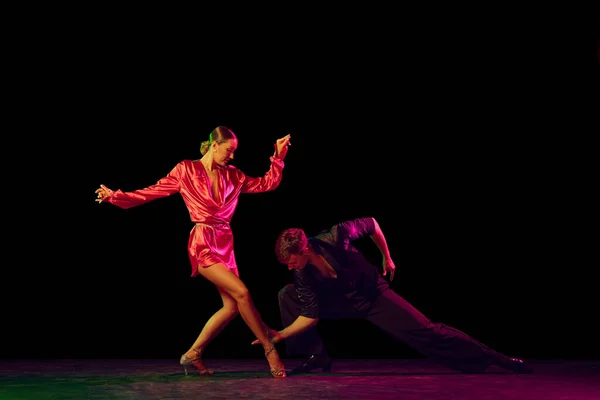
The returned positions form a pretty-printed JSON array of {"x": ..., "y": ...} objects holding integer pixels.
[{"x": 290, "y": 241}]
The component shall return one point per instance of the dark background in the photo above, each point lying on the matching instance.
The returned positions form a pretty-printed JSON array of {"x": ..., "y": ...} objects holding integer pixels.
[{"x": 466, "y": 138}]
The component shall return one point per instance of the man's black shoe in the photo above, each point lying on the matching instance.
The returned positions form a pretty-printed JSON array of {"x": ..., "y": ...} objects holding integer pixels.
[
  {"x": 315, "y": 361},
  {"x": 514, "y": 364}
]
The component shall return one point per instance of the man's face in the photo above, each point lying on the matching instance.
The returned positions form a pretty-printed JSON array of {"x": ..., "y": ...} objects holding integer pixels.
[{"x": 297, "y": 261}]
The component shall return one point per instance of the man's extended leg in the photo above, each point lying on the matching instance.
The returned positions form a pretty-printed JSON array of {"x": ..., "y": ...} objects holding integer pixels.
[{"x": 442, "y": 343}]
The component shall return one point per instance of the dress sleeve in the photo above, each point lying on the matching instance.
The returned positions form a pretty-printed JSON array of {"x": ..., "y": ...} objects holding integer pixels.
[
  {"x": 268, "y": 182},
  {"x": 166, "y": 186},
  {"x": 309, "y": 306}
]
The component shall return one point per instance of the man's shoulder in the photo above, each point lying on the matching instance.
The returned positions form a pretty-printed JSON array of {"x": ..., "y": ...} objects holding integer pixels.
[{"x": 325, "y": 236}]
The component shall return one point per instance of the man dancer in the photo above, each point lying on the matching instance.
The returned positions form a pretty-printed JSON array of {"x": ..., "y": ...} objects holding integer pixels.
[{"x": 333, "y": 280}]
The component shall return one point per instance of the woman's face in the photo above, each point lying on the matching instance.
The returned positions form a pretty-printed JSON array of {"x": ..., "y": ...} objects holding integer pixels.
[{"x": 224, "y": 151}]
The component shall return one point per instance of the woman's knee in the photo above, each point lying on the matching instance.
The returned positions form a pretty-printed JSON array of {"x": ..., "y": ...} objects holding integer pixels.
[
  {"x": 240, "y": 294},
  {"x": 231, "y": 309},
  {"x": 229, "y": 304}
]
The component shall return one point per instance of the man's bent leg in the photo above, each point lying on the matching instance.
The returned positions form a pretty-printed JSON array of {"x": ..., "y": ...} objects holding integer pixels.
[{"x": 309, "y": 341}]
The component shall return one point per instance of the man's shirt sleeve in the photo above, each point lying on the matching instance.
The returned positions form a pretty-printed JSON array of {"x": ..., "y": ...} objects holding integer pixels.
[
  {"x": 346, "y": 232},
  {"x": 306, "y": 295}
]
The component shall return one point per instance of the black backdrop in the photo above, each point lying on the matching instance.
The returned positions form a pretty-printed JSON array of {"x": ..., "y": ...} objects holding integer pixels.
[{"x": 453, "y": 142}]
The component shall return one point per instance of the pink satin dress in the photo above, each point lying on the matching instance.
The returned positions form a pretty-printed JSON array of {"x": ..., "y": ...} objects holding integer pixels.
[{"x": 211, "y": 239}]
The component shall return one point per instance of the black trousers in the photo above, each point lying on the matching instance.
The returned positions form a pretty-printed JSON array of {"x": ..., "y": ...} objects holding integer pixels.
[{"x": 394, "y": 315}]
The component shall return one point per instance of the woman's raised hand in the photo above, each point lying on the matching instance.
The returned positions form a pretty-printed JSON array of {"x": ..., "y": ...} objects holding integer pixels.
[
  {"x": 103, "y": 192},
  {"x": 281, "y": 146}
]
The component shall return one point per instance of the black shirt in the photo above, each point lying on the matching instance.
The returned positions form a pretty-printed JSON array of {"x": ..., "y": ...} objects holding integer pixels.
[{"x": 356, "y": 280}]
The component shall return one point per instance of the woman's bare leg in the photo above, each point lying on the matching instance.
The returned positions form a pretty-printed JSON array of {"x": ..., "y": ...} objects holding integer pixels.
[
  {"x": 214, "y": 325},
  {"x": 226, "y": 280}
]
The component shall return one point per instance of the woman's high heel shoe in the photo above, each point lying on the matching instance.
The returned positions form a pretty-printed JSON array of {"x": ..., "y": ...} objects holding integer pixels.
[
  {"x": 277, "y": 372},
  {"x": 196, "y": 363}
]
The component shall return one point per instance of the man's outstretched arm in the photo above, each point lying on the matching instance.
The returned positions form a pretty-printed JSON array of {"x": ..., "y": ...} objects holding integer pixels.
[
  {"x": 300, "y": 325},
  {"x": 379, "y": 239}
]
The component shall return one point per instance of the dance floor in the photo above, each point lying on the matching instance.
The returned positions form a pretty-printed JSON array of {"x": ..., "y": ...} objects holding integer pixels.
[{"x": 248, "y": 378}]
